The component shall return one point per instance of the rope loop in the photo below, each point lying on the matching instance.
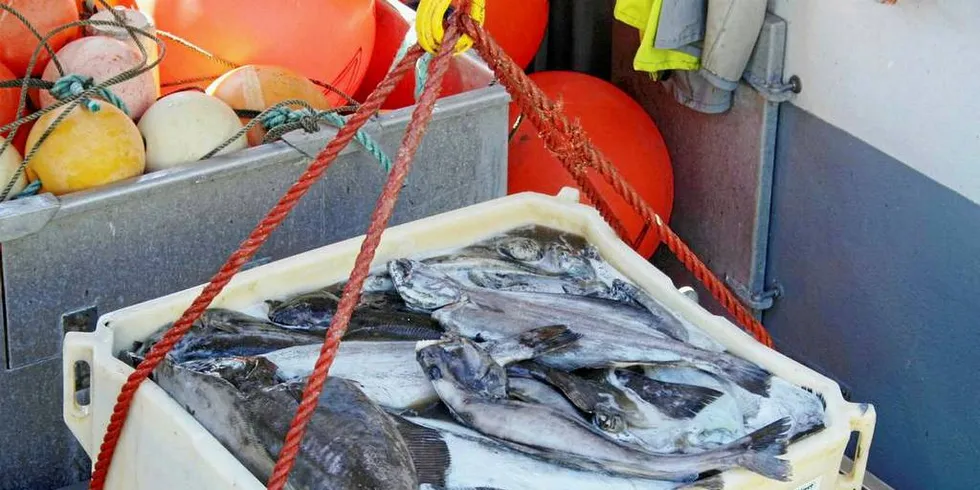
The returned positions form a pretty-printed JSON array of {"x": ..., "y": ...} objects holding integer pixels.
[
  {"x": 430, "y": 16},
  {"x": 73, "y": 86}
]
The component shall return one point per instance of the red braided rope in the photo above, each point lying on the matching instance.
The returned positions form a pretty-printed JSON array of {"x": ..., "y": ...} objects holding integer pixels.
[
  {"x": 569, "y": 143},
  {"x": 246, "y": 250},
  {"x": 351, "y": 295}
]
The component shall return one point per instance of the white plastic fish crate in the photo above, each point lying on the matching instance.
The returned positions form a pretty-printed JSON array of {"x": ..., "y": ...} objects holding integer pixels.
[{"x": 164, "y": 447}]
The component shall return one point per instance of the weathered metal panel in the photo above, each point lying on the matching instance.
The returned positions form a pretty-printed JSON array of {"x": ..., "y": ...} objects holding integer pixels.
[
  {"x": 722, "y": 172},
  {"x": 138, "y": 240}
]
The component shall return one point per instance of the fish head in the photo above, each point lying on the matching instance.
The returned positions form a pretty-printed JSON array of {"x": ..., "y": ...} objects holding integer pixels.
[
  {"x": 521, "y": 249},
  {"x": 560, "y": 259},
  {"x": 463, "y": 363},
  {"x": 244, "y": 373},
  {"x": 423, "y": 287}
]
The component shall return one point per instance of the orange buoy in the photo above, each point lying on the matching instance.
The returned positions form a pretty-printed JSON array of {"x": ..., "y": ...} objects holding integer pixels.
[
  {"x": 330, "y": 41},
  {"x": 17, "y": 43},
  {"x": 391, "y": 31},
  {"x": 259, "y": 87},
  {"x": 620, "y": 128},
  {"x": 87, "y": 149},
  {"x": 102, "y": 58},
  {"x": 518, "y": 26},
  {"x": 9, "y": 98}
]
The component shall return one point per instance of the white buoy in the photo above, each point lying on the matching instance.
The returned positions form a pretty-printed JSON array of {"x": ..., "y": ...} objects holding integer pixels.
[
  {"x": 185, "y": 126},
  {"x": 9, "y": 162}
]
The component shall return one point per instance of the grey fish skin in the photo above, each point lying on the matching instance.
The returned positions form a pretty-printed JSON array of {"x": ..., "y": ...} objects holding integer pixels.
[
  {"x": 471, "y": 389},
  {"x": 611, "y": 411},
  {"x": 374, "y": 318},
  {"x": 224, "y": 333},
  {"x": 350, "y": 444},
  {"x": 531, "y": 390},
  {"x": 613, "y": 333},
  {"x": 669, "y": 321}
]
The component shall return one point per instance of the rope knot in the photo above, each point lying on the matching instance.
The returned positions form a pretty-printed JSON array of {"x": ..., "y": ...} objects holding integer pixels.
[
  {"x": 282, "y": 116},
  {"x": 73, "y": 86}
]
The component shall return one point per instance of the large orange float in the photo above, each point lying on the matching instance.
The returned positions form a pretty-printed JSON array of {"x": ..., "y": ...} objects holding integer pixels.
[
  {"x": 9, "y": 98},
  {"x": 620, "y": 128},
  {"x": 17, "y": 43},
  {"x": 330, "y": 41},
  {"x": 518, "y": 26}
]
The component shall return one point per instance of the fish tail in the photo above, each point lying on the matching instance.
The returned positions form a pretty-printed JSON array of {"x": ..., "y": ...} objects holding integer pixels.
[
  {"x": 429, "y": 451},
  {"x": 711, "y": 483},
  {"x": 759, "y": 450},
  {"x": 746, "y": 374},
  {"x": 548, "y": 339}
]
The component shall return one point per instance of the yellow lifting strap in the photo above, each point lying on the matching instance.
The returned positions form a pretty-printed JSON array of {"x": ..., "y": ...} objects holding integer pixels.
[{"x": 430, "y": 15}]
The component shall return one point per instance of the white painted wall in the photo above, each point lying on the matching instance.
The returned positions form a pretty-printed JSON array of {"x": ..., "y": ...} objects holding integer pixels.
[{"x": 905, "y": 78}]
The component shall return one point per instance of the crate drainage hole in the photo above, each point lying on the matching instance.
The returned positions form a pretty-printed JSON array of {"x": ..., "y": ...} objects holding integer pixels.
[{"x": 83, "y": 373}]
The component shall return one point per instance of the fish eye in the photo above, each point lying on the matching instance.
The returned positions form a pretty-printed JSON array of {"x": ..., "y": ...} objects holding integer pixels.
[
  {"x": 435, "y": 373},
  {"x": 609, "y": 423}
]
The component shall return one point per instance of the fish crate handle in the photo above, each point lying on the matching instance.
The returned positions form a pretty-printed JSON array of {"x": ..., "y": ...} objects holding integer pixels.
[
  {"x": 78, "y": 347},
  {"x": 863, "y": 418}
]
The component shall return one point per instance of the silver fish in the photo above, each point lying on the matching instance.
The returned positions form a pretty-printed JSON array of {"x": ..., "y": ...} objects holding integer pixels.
[
  {"x": 682, "y": 329},
  {"x": 713, "y": 426},
  {"x": 450, "y": 456},
  {"x": 223, "y": 333},
  {"x": 376, "y": 317},
  {"x": 474, "y": 388},
  {"x": 388, "y": 372},
  {"x": 385, "y": 371},
  {"x": 611, "y": 411},
  {"x": 805, "y": 408},
  {"x": 612, "y": 333},
  {"x": 349, "y": 443}
]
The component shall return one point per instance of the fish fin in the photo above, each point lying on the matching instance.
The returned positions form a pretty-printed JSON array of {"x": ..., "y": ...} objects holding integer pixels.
[
  {"x": 429, "y": 451},
  {"x": 746, "y": 374},
  {"x": 675, "y": 400},
  {"x": 548, "y": 339},
  {"x": 762, "y": 448},
  {"x": 711, "y": 483},
  {"x": 687, "y": 401}
]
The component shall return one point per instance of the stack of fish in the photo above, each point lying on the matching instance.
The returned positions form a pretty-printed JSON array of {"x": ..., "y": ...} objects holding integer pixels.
[{"x": 522, "y": 362}]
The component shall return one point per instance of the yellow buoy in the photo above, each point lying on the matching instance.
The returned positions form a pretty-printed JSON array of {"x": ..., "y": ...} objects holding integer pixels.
[
  {"x": 9, "y": 162},
  {"x": 185, "y": 126},
  {"x": 86, "y": 149}
]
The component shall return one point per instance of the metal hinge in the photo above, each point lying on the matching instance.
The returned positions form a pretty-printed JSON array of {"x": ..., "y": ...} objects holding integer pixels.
[
  {"x": 764, "y": 71},
  {"x": 761, "y": 300}
]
